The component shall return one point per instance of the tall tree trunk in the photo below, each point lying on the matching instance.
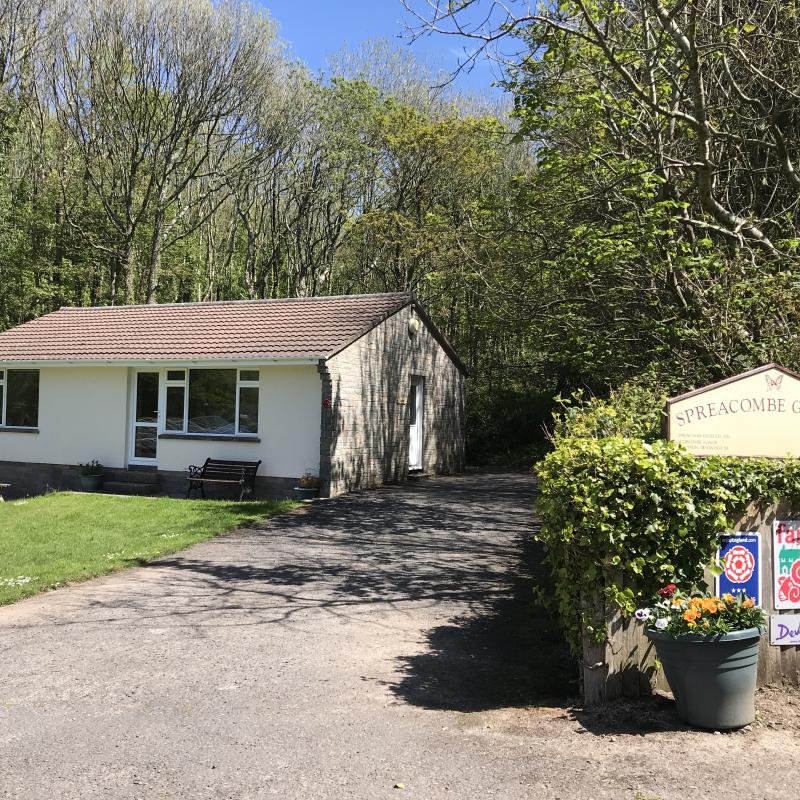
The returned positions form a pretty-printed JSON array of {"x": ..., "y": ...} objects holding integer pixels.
[
  {"x": 155, "y": 255},
  {"x": 121, "y": 273}
]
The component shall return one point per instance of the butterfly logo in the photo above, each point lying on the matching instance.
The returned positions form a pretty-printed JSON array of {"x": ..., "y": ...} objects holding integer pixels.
[{"x": 774, "y": 383}]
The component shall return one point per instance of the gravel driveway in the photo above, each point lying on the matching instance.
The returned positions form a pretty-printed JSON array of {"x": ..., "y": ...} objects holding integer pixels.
[{"x": 373, "y": 646}]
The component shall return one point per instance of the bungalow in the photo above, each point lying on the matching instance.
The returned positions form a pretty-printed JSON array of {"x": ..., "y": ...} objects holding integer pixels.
[{"x": 359, "y": 390}]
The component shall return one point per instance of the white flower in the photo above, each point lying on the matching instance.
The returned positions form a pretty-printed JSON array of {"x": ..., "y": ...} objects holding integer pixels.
[
  {"x": 21, "y": 580},
  {"x": 661, "y": 624},
  {"x": 642, "y": 614}
]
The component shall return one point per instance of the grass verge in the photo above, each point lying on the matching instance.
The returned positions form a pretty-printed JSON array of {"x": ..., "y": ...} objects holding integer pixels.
[{"x": 66, "y": 537}]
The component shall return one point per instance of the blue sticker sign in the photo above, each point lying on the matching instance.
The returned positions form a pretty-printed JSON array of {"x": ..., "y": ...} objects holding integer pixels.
[{"x": 740, "y": 555}]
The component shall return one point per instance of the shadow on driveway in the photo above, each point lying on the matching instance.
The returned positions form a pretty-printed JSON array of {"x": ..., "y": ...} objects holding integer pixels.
[{"x": 509, "y": 654}]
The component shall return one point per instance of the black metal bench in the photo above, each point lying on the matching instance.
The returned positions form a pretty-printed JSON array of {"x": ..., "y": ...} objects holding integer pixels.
[{"x": 241, "y": 473}]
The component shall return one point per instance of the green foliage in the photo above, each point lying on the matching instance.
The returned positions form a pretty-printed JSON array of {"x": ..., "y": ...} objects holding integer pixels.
[
  {"x": 621, "y": 517},
  {"x": 93, "y": 467},
  {"x": 622, "y": 264},
  {"x": 635, "y": 409},
  {"x": 567, "y": 247},
  {"x": 504, "y": 426}
]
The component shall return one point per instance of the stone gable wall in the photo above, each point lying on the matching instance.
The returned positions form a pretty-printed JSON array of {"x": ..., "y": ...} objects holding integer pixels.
[{"x": 365, "y": 415}]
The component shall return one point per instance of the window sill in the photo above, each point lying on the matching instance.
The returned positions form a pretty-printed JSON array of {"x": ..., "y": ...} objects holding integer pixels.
[
  {"x": 12, "y": 429},
  {"x": 211, "y": 437}
]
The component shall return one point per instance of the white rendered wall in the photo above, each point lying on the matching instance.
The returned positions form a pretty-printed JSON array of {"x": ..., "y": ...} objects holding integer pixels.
[
  {"x": 289, "y": 413},
  {"x": 82, "y": 415}
]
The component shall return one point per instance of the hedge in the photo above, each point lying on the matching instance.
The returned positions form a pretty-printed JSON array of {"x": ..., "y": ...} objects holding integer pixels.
[{"x": 618, "y": 513}]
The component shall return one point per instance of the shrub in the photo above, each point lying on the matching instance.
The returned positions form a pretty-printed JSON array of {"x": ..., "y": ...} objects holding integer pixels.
[
  {"x": 504, "y": 425},
  {"x": 622, "y": 516},
  {"x": 635, "y": 409}
]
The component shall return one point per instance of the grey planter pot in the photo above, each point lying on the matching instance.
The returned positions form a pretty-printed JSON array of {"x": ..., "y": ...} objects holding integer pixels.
[
  {"x": 303, "y": 493},
  {"x": 713, "y": 678},
  {"x": 91, "y": 483}
]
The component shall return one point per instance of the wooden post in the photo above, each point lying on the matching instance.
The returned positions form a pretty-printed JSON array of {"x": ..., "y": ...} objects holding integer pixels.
[{"x": 624, "y": 665}]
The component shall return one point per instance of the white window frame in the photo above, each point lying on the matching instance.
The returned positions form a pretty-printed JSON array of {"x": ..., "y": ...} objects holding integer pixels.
[
  {"x": 132, "y": 457},
  {"x": 4, "y": 405},
  {"x": 243, "y": 384},
  {"x": 184, "y": 384}
]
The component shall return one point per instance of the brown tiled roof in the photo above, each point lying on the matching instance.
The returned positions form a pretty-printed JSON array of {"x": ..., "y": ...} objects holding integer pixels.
[{"x": 311, "y": 327}]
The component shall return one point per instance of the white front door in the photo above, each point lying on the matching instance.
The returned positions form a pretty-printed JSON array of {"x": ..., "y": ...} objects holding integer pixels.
[
  {"x": 144, "y": 435},
  {"x": 416, "y": 410}
]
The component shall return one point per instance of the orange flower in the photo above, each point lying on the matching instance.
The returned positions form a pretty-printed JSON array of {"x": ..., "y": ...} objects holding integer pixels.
[
  {"x": 691, "y": 615},
  {"x": 697, "y": 602},
  {"x": 728, "y": 598},
  {"x": 677, "y": 601},
  {"x": 748, "y": 603},
  {"x": 710, "y": 605}
]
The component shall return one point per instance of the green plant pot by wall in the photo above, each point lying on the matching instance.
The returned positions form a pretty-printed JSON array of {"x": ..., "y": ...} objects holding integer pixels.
[
  {"x": 713, "y": 678},
  {"x": 305, "y": 492},
  {"x": 91, "y": 483}
]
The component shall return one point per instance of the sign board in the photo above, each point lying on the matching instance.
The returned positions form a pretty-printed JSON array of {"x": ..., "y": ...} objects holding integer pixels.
[
  {"x": 753, "y": 414},
  {"x": 784, "y": 629},
  {"x": 740, "y": 554},
  {"x": 786, "y": 563}
]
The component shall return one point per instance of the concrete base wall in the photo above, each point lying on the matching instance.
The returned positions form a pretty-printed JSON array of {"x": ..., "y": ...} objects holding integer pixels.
[
  {"x": 268, "y": 487},
  {"x": 33, "y": 479}
]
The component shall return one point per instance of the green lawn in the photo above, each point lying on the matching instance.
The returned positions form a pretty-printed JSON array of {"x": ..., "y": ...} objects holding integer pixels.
[{"x": 64, "y": 537}]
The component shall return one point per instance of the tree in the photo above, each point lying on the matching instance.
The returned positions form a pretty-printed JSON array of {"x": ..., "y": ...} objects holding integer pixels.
[
  {"x": 155, "y": 99},
  {"x": 661, "y": 223}
]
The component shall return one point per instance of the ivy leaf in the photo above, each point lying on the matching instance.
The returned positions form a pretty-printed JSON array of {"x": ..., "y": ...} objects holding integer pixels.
[{"x": 716, "y": 567}]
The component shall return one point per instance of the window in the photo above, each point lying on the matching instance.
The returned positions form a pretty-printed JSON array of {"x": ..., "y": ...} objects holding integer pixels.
[
  {"x": 212, "y": 401},
  {"x": 19, "y": 398},
  {"x": 412, "y": 405},
  {"x": 176, "y": 400}
]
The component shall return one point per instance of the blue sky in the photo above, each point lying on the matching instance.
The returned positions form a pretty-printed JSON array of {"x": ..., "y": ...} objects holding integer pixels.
[{"x": 317, "y": 28}]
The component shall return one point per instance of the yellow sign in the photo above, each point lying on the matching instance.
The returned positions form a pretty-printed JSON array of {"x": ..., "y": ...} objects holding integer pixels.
[{"x": 756, "y": 413}]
